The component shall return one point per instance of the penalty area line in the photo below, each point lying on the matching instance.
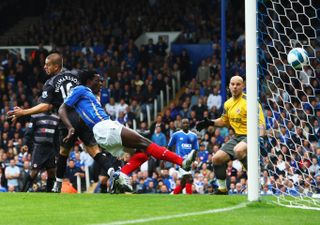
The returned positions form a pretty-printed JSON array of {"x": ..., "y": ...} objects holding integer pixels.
[{"x": 241, "y": 205}]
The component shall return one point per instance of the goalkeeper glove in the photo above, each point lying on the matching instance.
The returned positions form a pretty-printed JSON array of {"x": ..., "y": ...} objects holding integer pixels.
[{"x": 204, "y": 124}]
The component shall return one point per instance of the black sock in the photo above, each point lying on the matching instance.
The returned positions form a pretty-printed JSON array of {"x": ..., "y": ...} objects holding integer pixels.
[
  {"x": 50, "y": 182},
  {"x": 105, "y": 161},
  {"x": 103, "y": 188},
  {"x": 244, "y": 162},
  {"x": 61, "y": 166},
  {"x": 220, "y": 171},
  {"x": 27, "y": 183}
]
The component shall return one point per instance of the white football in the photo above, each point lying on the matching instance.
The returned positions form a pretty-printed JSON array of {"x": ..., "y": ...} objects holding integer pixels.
[{"x": 298, "y": 57}]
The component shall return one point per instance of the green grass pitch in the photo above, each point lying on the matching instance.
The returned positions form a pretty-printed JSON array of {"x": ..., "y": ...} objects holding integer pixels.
[{"x": 61, "y": 209}]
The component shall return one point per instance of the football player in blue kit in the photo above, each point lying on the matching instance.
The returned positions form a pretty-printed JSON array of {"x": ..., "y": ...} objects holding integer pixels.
[
  {"x": 111, "y": 135},
  {"x": 184, "y": 141}
]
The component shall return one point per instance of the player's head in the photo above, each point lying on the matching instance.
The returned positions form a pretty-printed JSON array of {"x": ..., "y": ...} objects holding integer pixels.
[
  {"x": 53, "y": 64},
  {"x": 236, "y": 86},
  {"x": 91, "y": 79},
  {"x": 185, "y": 124}
]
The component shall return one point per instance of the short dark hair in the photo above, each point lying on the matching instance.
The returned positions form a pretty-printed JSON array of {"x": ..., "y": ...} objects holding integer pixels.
[{"x": 86, "y": 75}]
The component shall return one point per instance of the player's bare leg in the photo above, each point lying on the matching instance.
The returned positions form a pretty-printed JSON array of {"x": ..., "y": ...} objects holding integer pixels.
[{"x": 240, "y": 151}]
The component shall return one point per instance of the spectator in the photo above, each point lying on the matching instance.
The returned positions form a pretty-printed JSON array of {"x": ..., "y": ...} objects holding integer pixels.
[
  {"x": 41, "y": 185},
  {"x": 137, "y": 93},
  {"x": 25, "y": 173},
  {"x": 158, "y": 137},
  {"x": 185, "y": 111},
  {"x": 266, "y": 190},
  {"x": 232, "y": 189},
  {"x": 203, "y": 72},
  {"x": 148, "y": 99},
  {"x": 143, "y": 130},
  {"x": 87, "y": 161},
  {"x": 199, "y": 109},
  {"x": 121, "y": 107},
  {"x": 214, "y": 99},
  {"x": 72, "y": 172},
  {"x": 170, "y": 130},
  {"x": 159, "y": 84},
  {"x": 78, "y": 162},
  {"x": 111, "y": 108},
  {"x": 135, "y": 108},
  {"x": 12, "y": 174},
  {"x": 161, "y": 47},
  {"x": 203, "y": 153},
  {"x": 150, "y": 48},
  {"x": 185, "y": 66},
  {"x": 157, "y": 123}
]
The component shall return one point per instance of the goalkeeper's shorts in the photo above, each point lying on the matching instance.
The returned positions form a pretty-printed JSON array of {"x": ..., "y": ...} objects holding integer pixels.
[{"x": 229, "y": 146}]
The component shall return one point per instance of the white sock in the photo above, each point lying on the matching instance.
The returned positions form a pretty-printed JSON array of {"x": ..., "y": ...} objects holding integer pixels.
[
  {"x": 59, "y": 179},
  {"x": 222, "y": 184},
  {"x": 110, "y": 171}
]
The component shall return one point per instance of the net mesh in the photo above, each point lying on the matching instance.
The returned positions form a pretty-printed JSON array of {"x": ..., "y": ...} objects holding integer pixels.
[{"x": 291, "y": 158}]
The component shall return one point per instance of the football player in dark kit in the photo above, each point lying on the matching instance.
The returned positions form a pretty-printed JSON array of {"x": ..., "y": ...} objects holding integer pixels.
[
  {"x": 42, "y": 137},
  {"x": 55, "y": 90}
]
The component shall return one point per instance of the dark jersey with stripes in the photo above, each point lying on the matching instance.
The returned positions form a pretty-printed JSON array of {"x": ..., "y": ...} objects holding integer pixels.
[
  {"x": 58, "y": 87},
  {"x": 42, "y": 129}
]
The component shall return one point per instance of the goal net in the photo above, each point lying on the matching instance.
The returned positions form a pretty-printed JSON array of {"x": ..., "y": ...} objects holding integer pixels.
[{"x": 290, "y": 160}]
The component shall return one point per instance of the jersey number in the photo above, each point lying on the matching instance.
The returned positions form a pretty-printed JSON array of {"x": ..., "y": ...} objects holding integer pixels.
[{"x": 65, "y": 91}]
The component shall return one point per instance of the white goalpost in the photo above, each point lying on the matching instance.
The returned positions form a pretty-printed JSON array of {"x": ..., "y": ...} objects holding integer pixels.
[
  {"x": 287, "y": 169},
  {"x": 252, "y": 98}
]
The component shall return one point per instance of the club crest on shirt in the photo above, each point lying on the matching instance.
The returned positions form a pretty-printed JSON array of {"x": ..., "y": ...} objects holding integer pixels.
[
  {"x": 181, "y": 138},
  {"x": 238, "y": 111},
  {"x": 44, "y": 94}
]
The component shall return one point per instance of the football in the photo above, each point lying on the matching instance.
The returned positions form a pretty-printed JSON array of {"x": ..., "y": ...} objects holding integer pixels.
[{"x": 298, "y": 57}]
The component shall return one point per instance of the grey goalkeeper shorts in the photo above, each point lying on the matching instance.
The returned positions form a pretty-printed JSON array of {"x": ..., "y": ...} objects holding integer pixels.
[{"x": 229, "y": 146}]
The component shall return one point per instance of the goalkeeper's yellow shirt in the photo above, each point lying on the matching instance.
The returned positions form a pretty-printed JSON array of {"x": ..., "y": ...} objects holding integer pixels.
[{"x": 235, "y": 114}]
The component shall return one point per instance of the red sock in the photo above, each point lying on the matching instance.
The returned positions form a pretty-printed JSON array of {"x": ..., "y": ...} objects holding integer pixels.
[
  {"x": 164, "y": 154},
  {"x": 189, "y": 188},
  {"x": 177, "y": 190},
  {"x": 135, "y": 161}
]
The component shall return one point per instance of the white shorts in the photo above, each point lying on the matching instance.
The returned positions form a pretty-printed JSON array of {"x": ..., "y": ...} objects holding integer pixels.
[{"x": 108, "y": 135}]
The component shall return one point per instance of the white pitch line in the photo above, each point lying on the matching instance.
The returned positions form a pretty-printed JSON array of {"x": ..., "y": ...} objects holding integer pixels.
[{"x": 241, "y": 205}]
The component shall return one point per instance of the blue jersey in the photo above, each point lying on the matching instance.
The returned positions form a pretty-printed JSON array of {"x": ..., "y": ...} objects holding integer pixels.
[
  {"x": 184, "y": 142},
  {"x": 87, "y": 105}
]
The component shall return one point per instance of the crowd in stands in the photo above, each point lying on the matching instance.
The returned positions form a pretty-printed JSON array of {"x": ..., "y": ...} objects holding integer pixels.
[
  {"x": 133, "y": 77},
  {"x": 92, "y": 23}
]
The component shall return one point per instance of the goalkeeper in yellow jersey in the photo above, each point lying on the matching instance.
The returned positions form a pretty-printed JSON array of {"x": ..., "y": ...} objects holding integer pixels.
[{"x": 235, "y": 116}]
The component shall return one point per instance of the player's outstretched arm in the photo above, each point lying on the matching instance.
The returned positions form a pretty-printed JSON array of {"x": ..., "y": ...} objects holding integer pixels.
[
  {"x": 19, "y": 112},
  {"x": 63, "y": 113}
]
